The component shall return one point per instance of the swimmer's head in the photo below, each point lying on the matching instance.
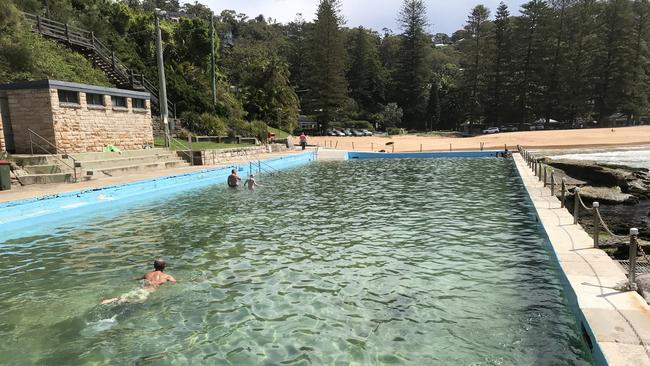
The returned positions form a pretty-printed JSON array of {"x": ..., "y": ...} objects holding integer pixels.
[
  {"x": 234, "y": 171},
  {"x": 252, "y": 175},
  {"x": 159, "y": 264}
]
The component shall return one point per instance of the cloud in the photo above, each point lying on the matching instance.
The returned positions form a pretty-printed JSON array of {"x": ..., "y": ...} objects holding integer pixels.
[{"x": 443, "y": 15}]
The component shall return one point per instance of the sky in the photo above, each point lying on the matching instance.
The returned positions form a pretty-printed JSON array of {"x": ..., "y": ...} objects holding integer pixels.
[{"x": 445, "y": 16}]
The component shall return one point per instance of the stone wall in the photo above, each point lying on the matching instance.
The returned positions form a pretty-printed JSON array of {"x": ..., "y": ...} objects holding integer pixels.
[
  {"x": 31, "y": 109},
  {"x": 175, "y": 127},
  {"x": 217, "y": 156},
  {"x": 84, "y": 128}
]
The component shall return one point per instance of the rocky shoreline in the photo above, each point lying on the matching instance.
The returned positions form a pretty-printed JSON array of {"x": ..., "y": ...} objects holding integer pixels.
[{"x": 623, "y": 194}]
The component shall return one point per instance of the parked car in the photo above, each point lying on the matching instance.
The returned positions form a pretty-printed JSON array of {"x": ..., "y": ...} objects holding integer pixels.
[
  {"x": 366, "y": 132},
  {"x": 339, "y": 133},
  {"x": 347, "y": 132},
  {"x": 357, "y": 133},
  {"x": 330, "y": 133},
  {"x": 490, "y": 130}
]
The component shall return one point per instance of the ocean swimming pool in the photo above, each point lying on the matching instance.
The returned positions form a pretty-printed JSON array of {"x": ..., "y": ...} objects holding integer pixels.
[{"x": 412, "y": 261}]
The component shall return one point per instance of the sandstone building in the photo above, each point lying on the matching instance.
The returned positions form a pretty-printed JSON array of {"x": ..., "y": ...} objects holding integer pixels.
[{"x": 73, "y": 117}]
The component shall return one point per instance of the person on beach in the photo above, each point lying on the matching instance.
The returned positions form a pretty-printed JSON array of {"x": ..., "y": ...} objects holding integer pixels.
[
  {"x": 303, "y": 140},
  {"x": 251, "y": 183},
  {"x": 233, "y": 179},
  {"x": 150, "y": 282}
]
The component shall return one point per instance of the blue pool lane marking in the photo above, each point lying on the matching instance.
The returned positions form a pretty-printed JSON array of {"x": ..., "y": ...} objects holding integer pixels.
[{"x": 29, "y": 212}]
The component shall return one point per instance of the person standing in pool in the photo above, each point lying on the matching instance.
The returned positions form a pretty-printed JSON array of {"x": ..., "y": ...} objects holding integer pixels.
[
  {"x": 150, "y": 282},
  {"x": 251, "y": 183},
  {"x": 233, "y": 179}
]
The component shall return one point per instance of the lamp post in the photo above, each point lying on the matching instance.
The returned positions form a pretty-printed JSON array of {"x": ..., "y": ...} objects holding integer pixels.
[{"x": 162, "y": 93}]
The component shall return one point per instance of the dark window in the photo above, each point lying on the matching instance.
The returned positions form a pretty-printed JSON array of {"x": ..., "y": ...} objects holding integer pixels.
[
  {"x": 94, "y": 99},
  {"x": 68, "y": 96},
  {"x": 137, "y": 103},
  {"x": 118, "y": 101}
]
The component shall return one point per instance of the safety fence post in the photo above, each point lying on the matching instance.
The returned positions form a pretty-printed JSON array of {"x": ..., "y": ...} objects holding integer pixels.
[
  {"x": 596, "y": 219},
  {"x": 634, "y": 232},
  {"x": 576, "y": 204}
]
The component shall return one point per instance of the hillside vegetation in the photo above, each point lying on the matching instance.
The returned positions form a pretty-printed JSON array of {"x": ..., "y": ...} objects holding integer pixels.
[{"x": 569, "y": 60}]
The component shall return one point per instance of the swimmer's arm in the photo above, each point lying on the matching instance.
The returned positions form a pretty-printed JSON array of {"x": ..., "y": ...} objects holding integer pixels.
[{"x": 171, "y": 279}]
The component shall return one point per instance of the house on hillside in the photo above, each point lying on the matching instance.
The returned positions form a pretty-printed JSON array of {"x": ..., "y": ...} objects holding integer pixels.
[{"x": 52, "y": 116}]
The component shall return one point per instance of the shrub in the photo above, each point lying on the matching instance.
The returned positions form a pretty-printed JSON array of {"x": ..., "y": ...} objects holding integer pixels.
[
  {"x": 204, "y": 124},
  {"x": 258, "y": 129},
  {"x": 395, "y": 131}
]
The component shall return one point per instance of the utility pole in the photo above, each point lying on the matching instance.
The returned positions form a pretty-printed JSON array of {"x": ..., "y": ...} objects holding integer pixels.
[
  {"x": 213, "y": 56},
  {"x": 162, "y": 92}
]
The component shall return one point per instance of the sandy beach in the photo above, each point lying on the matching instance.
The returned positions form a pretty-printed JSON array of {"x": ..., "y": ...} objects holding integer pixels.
[{"x": 549, "y": 139}]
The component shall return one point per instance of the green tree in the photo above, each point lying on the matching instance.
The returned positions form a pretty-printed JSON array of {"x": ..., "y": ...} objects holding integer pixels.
[
  {"x": 476, "y": 50},
  {"x": 636, "y": 101},
  {"x": 500, "y": 81},
  {"x": 612, "y": 58},
  {"x": 366, "y": 75},
  {"x": 414, "y": 70},
  {"x": 558, "y": 26},
  {"x": 433, "y": 107},
  {"x": 327, "y": 59},
  {"x": 530, "y": 58},
  {"x": 577, "y": 73}
]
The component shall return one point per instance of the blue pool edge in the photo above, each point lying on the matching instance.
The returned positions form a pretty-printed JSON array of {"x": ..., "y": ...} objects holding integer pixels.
[{"x": 31, "y": 211}]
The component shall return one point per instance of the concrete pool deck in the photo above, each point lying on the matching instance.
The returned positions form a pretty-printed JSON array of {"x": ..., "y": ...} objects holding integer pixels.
[
  {"x": 618, "y": 323},
  {"x": 40, "y": 190}
]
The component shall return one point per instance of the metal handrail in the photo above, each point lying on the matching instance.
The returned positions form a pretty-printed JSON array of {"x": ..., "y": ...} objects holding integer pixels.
[
  {"x": 180, "y": 142},
  {"x": 56, "y": 150},
  {"x": 85, "y": 38}
]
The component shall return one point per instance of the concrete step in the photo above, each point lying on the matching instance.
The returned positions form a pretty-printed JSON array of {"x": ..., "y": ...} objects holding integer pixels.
[
  {"x": 46, "y": 178},
  {"x": 128, "y": 169},
  {"x": 44, "y": 169},
  {"x": 114, "y": 155},
  {"x": 45, "y": 159},
  {"x": 126, "y": 161}
]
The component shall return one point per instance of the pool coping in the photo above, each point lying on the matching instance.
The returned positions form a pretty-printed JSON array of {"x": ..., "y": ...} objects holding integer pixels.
[{"x": 617, "y": 323}]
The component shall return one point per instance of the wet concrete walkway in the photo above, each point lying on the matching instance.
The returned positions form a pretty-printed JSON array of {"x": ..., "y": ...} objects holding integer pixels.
[{"x": 618, "y": 323}]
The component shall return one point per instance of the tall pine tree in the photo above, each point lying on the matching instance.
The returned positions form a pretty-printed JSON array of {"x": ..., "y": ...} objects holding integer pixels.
[
  {"x": 413, "y": 75},
  {"x": 327, "y": 56},
  {"x": 366, "y": 74},
  {"x": 498, "y": 108}
]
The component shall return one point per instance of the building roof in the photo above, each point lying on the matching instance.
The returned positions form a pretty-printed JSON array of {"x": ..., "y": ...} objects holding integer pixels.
[{"x": 86, "y": 88}]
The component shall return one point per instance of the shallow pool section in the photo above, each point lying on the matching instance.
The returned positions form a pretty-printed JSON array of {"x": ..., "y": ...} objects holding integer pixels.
[{"x": 409, "y": 261}]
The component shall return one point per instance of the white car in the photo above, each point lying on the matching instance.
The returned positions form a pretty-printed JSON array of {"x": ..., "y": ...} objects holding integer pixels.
[{"x": 491, "y": 130}]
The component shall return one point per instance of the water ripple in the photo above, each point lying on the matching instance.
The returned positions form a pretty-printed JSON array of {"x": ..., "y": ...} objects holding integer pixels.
[{"x": 363, "y": 262}]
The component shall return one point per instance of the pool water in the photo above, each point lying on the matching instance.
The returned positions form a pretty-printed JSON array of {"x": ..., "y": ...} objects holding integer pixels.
[{"x": 429, "y": 262}]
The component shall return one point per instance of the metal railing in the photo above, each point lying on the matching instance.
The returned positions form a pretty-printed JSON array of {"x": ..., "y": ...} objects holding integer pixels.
[
  {"x": 189, "y": 152},
  {"x": 65, "y": 155},
  {"x": 86, "y": 39},
  {"x": 542, "y": 172}
]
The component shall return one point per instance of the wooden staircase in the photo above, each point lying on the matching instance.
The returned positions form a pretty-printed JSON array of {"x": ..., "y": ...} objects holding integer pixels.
[{"x": 102, "y": 57}]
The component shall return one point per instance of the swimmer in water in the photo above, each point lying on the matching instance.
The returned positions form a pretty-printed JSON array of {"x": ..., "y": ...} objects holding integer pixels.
[
  {"x": 251, "y": 183},
  {"x": 150, "y": 282},
  {"x": 233, "y": 179}
]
